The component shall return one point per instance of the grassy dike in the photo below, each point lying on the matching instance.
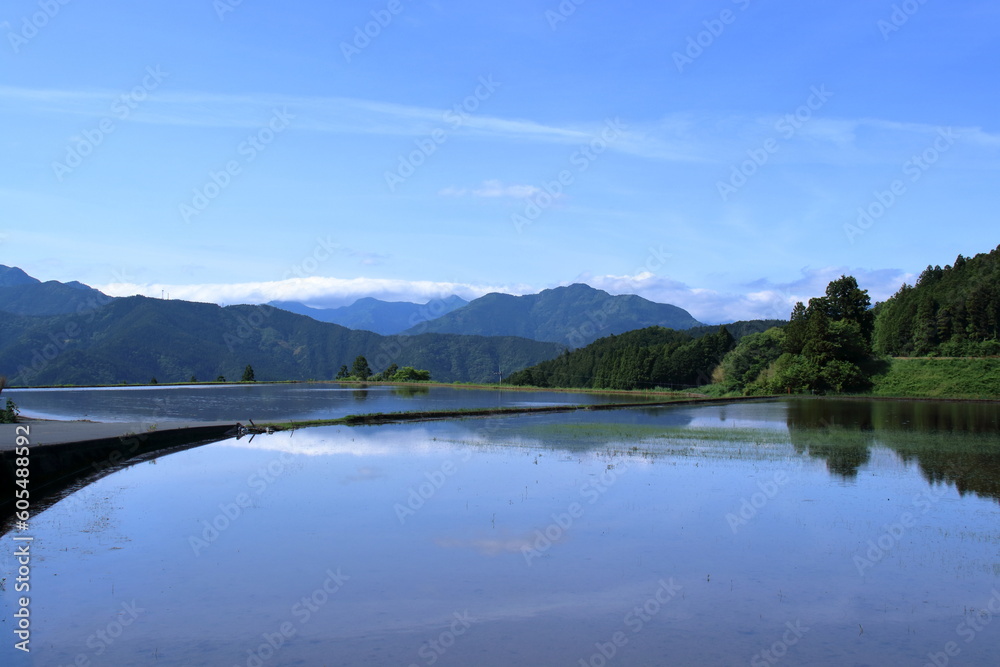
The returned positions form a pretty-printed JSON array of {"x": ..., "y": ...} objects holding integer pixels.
[{"x": 940, "y": 377}]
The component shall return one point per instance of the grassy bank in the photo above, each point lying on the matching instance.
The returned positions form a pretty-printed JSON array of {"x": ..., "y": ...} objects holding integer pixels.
[{"x": 930, "y": 377}]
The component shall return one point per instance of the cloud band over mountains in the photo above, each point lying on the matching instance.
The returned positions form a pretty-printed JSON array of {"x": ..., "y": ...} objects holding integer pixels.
[{"x": 762, "y": 299}]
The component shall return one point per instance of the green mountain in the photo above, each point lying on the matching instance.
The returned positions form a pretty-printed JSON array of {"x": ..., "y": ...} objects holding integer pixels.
[
  {"x": 574, "y": 316},
  {"x": 382, "y": 317},
  {"x": 11, "y": 276},
  {"x": 20, "y": 294},
  {"x": 954, "y": 311},
  {"x": 135, "y": 339}
]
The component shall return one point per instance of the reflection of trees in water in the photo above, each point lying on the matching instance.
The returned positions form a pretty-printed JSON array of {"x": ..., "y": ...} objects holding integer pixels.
[
  {"x": 970, "y": 469},
  {"x": 844, "y": 451},
  {"x": 952, "y": 442},
  {"x": 831, "y": 430},
  {"x": 409, "y": 391},
  {"x": 359, "y": 394}
]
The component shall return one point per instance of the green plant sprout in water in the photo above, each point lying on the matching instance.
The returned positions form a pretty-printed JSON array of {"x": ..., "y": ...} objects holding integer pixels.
[{"x": 9, "y": 415}]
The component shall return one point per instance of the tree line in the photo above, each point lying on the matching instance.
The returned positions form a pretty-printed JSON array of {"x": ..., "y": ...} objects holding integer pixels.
[
  {"x": 641, "y": 359},
  {"x": 951, "y": 312}
]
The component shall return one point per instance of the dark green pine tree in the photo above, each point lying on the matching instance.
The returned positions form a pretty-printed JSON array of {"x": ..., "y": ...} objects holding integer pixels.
[
  {"x": 361, "y": 369},
  {"x": 795, "y": 332},
  {"x": 248, "y": 374},
  {"x": 846, "y": 301}
]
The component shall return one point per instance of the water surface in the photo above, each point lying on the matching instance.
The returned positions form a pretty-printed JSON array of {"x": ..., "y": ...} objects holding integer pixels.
[
  {"x": 824, "y": 533},
  {"x": 300, "y": 401}
]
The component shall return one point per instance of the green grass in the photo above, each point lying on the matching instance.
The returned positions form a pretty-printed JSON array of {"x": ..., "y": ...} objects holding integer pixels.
[{"x": 940, "y": 378}]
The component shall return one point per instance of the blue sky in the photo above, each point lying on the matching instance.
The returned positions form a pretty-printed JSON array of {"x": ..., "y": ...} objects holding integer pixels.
[{"x": 714, "y": 155}]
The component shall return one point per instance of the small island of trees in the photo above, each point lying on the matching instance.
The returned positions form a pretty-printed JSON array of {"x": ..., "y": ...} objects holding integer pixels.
[{"x": 360, "y": 371}]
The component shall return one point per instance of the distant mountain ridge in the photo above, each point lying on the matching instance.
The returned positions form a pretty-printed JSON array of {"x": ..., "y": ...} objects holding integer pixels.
[
  {"x": 11, "y": 276},
  {"x": 370, "y": 314},
  {"x": 21, "y": 294},
  {"x": 67, "y": 333},
  {"x": 575, "y": 316}
]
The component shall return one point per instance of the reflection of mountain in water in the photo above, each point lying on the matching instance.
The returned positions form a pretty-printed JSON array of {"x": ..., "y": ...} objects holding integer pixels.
[{"x": 952, "y": 442}]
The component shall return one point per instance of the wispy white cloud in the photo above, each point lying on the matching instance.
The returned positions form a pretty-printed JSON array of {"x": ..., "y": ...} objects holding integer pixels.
[
  {"x": 320, "y": 114},
  {"x": 679, "y": 137},
  {"x": 492, "y": 189}
]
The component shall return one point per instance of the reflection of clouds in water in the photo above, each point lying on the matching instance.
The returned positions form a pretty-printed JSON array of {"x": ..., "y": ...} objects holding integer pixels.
[
  {"x": 439, "y": 438},
  {"x": 364, "y": 474},
  {"x": 418, "y": 614},
  {"x": 490, "y": 546},
  {"x": 765, "y": 415},
  {"x": 346, "y": 441}
]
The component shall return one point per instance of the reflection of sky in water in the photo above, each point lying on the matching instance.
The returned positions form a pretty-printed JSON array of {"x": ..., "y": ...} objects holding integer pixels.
[
  {"x": 429, "y": 520},
  {"x": 763, "y": 415},
  {"x": 272, "y": 401}
]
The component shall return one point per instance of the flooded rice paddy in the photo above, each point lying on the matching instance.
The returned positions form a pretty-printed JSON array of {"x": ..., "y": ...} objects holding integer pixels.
[{"x": 784, "y": 532}]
